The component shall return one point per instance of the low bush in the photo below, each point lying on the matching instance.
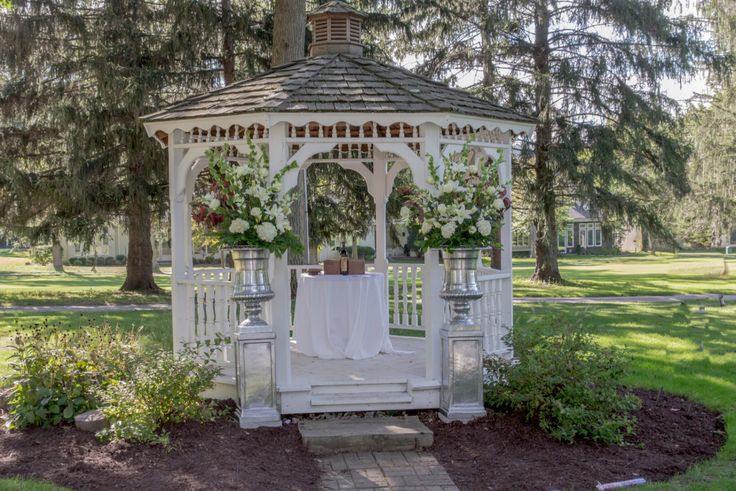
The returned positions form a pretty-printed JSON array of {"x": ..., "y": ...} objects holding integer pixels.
[
  {"x": 57, "y": 374},
  {"x": 565, "y": 382},
  {"x": 42, "y": 255},
  {"x": 110, "y": 261},
  {"x": 165, "y": 388},
  {"x": 120, "y": 258}
]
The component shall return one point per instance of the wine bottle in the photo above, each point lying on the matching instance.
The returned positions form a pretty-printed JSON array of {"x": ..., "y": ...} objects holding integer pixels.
[{"x": 343, "y": 260}]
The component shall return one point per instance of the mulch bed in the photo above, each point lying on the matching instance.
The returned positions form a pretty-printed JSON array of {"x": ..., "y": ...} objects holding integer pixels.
[
  {"x": 495, "y": 452},
  {"x": 215, "y": 455},
  {"x": 505, "y": 452}
]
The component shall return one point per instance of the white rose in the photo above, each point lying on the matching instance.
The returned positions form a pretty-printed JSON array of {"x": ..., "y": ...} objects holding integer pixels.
[
  {"x": 241, "y": 171},
  {"x": 442, "y": 209},
  {"x": 498, "y": 204},
  {"x": 447, "y": 230},
  {"x": 484, "y": 227},
  {"x": 255, "y": 212},
  {"x": 472, "y": 229},
  {"x": 266, "y": 231},
  {"x": 426, "y": 227},
  {"x": 238, "y": 226},
  {"x": 214, "y": 204},
  {"x": 405, "y": 213}
]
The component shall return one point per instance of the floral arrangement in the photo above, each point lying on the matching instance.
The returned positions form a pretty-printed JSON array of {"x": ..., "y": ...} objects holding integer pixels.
[
  {"x": 244, "y": 206},
  {"x": 464, "y": 208}
]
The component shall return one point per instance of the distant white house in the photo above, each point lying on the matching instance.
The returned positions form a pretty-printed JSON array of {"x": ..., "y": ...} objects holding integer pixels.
[
  {"x": 114, "y": 243},
  {"x": 582, "y": 232}
]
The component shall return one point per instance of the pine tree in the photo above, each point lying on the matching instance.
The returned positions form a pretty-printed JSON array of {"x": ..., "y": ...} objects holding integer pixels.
[
  {"x": 589, "y": 71},
  {"x": 80, "y": 74}
]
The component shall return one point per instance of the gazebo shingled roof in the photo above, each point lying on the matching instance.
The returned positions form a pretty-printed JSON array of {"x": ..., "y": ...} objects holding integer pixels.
[{"x": 335, "y": 83}]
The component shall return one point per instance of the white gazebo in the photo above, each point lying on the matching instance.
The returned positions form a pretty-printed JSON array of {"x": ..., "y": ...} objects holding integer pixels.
[{"x": 369, "y": 117}]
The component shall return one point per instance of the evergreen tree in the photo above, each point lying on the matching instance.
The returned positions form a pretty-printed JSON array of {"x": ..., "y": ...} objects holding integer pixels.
[
  {"x": 589, "y": 71},
  {"x": 78, "y": 77}
]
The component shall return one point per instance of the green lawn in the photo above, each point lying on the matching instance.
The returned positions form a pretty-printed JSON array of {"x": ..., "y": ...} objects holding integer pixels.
[
  {"x": 689, "y": 353},
  {"x": 635, "y": 274},
  {"x": 28, "y": 485},
  {"x": 22, "y": 283}
]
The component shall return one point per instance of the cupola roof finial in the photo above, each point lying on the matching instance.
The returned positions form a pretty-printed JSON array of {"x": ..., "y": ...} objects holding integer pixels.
[{"x": 336, "y": 28}]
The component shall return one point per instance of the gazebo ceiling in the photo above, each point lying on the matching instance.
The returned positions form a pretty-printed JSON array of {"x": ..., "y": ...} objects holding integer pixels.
[{"x": 335, "y": 83}]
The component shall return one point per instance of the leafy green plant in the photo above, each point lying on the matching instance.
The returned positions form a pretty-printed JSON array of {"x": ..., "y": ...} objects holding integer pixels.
[
  {"x": 42, "y": 255},
  {"x": 56, "y": 374},
  {"x": 165, "y": 388},
  {"x": 563, "y": 381}
]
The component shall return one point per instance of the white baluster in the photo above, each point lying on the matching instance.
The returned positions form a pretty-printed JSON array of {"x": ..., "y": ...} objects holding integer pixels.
[
  {"x": 404, "y": 296},
  {"x": 414, "y": 313},
  {"x": 396, "y": 293}
]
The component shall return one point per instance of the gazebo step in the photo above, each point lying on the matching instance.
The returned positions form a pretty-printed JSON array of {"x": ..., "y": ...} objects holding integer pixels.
[
  {"x": 365, "y": 434},
  {"x": 360, "y": 398}
]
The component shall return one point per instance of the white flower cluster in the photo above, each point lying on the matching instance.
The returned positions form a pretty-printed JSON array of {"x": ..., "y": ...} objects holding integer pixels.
[
  {"x": 245, "y": 206},
  {"x": 462, "y": 207}
]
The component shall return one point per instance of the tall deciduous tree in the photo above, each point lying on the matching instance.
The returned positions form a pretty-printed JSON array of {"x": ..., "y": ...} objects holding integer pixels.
[{"x": 589, "y": 71}]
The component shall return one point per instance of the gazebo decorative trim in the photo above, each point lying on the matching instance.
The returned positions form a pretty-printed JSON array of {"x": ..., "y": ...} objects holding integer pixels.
[{"x": 368, "y": 117}]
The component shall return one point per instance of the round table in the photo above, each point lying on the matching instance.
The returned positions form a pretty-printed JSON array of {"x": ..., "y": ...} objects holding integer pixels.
[{"x": 342, "y": 316}]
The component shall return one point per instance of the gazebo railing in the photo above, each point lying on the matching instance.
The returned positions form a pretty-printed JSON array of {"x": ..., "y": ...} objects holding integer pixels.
[
  {"x": 493, "y": 311},
  {"x": 211, "y": 314}
]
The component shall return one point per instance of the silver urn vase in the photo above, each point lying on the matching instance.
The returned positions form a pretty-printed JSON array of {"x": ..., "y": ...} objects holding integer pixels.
[
  {"x": 251, "y": 285},
  {"x": 460, "y": 286},
  {"x": 255, "y": 369},
  {"x": 461, "y": 391}
]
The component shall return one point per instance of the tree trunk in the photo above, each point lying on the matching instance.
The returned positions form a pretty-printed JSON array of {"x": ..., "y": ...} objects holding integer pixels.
[
  {"x": 139, "y": 269},
  {"x": 228, "y": 43},
  {"x": 354, "y": 251},
  {"x": 289, "y": 23},
  {"x": 57, "y": 253},
  {"x": 547, "y": 269}
]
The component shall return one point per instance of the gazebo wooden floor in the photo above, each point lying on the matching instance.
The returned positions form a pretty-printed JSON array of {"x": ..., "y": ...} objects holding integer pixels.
[{"x": 305, "y": 370}]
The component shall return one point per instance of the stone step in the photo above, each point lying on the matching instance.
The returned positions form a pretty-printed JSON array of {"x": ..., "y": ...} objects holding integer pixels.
[
  {"x": 360, "y": 398},
  {"x": 365, "y": 434}
]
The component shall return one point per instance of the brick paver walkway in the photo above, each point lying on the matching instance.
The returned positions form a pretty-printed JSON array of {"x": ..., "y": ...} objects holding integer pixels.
[{"x": 398, "y": 471}]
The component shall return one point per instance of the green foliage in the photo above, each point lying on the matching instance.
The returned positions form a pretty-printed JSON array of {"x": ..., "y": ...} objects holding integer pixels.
[
  {"x": 563, "y": 381},
  {"x": 165, "y": 388},
  {"x": 42, "y": 255},
  {"x": 56, "y": 374}
]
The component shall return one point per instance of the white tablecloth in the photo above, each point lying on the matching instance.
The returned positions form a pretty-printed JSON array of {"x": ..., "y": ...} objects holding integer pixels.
[{"x": 342, "y": 316}]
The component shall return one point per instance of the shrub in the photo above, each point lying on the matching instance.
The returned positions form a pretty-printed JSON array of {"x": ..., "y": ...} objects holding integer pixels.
[
  {"x": 110, "y": 261},
  {"x": 42, "y": 255},
  {"x": 120, "y": 258},
  {"x": 565, "y": 382},
  {"x": 56, "y": 374},
  {"x": 165, "y": 388},
  {"x": 74, "y": 261}
]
